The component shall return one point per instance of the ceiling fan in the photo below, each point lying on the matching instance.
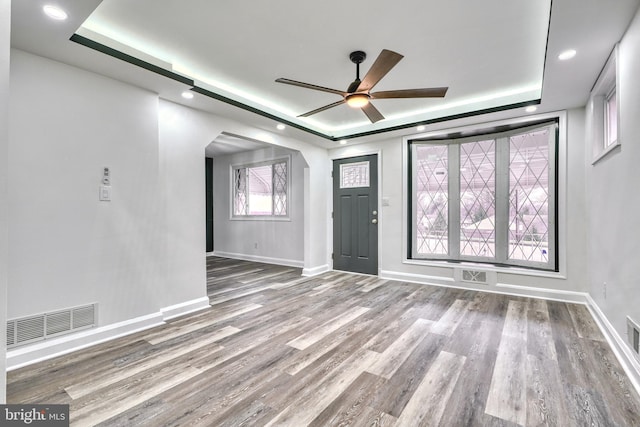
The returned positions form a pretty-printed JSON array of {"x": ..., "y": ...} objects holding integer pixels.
[{"x": 359, "y": 95}]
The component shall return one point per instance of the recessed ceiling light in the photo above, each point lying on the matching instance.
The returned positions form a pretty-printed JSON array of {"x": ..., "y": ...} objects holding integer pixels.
[
  {"x": 343, "y": 142},
  {"x": 567, "y": 54},
  {"x": 187, "y": 95},
  {"x": 55, "y": 12},
  {"x": 281, "y": 126},
  {"x": 531, "y": 109},
  {"x": 420, "y": 128}
]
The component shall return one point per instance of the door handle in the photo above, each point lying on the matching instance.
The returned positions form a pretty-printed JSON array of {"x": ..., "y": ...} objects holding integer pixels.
[{"x": 374, "y": 221}]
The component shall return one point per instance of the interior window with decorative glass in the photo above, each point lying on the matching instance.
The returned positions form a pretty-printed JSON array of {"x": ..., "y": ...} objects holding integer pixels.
[{"x": 261, "y": 189}]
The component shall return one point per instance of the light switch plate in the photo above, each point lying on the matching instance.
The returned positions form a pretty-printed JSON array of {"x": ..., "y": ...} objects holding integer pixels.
[
  {"x": 105, "y": 193},
  {"x": 385, "y": 201}
]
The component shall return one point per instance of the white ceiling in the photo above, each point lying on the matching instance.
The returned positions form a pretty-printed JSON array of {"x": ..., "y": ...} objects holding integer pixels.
[
  {"x": 226, "y": 144},
  {"x": 491, "y": 54}
]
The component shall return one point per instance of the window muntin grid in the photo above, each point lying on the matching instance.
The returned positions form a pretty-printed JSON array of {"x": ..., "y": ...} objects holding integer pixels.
[
  {"x": 280, "y": 188},
  {"x": 261, "y": 190},
  {"x": 432, "y": 200},
  {"x": 478, "y": 199},
  {"x": 240, "y": 191},
  {"x": 478, "y": 192},
  {"x": 354, "y": 175},
  {"x": 529, "y": 197}
]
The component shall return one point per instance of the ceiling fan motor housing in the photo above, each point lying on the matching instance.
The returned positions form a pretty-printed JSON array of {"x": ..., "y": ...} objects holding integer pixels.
[{"x": 357, "y": 57}]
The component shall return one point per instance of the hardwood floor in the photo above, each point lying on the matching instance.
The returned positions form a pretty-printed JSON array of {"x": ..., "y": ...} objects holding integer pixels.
[{"x": 342, "y": 349}]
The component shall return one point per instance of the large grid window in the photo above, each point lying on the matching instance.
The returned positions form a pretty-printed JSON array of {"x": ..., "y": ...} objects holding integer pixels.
[
  {"x": 490, "y": 198},
  {"x": 261, "y": 189}
]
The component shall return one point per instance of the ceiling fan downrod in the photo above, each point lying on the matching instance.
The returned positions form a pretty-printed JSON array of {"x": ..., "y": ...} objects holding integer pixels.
[{"x": 356, "y": 57}]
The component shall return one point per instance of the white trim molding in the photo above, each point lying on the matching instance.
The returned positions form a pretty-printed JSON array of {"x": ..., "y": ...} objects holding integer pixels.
[
  {"x": 498, "y": 288},
  {"x": 184, "y": 308},
  {"x": 314, "y": 271},
  {"x": 258, "y": 258},
  {"x": 417, "y": 278},
  {"x": 50, "y": 348},
  {"x": 618, "y": 345}
]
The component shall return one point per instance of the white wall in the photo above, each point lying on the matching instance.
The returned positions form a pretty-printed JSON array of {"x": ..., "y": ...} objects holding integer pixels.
[
  {"x": 614, "y": 201},
  {"x": 278, "y": 241},
  {"x": 142, "y": 252},
  {"x": 5, "y": 31},
  {"x": 392, "y": 241},
  {"x": 68, "y": 248},
  {"x": 184, "y": 135}
]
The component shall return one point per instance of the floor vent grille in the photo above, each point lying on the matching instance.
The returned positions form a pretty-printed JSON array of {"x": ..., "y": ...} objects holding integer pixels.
[
  {"x": 474, "y": 276},
  {"x": 31, "y": 329}
]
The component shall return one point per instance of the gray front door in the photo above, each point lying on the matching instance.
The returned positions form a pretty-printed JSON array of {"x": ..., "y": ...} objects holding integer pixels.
[{"x": 355, "y": 214}]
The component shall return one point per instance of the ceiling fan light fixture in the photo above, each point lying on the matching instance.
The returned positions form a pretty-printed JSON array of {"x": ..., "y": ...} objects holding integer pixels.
[{"x": 357, "y": 100}]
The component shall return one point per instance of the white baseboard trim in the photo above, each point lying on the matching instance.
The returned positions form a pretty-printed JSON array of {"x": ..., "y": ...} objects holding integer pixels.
[
  {"x": 187, "y": 307},
  {"x": 623, "y": 353},
  {"x": 618, "y": 345},
  {"x": 314, "y": 271},
  {"x": 543, "y": 293},
  {"x": 48, "y": 349},
  {"x": 499, "y": 288},
  {"x": 257, "y": 258},
  {"x": 416, "y": 278}
]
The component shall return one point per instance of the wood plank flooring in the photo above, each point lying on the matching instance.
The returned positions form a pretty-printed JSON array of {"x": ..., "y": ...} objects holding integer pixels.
[{"x": 277, "y": 349}]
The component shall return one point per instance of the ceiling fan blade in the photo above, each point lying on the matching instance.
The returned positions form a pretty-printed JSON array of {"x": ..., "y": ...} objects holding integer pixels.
[
  {"x": 383, "y": 64},
  {"x": 326, "y": 107},
  {"x": 310, "y": 86},
  {"x": 433, "y": 92},
  {"x": 373, "y": 113}
]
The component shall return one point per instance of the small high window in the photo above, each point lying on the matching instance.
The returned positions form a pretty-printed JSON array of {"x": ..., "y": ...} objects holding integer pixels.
[
  {"x": 604, "y": 110},
  {"x": 611, "y": 119}
]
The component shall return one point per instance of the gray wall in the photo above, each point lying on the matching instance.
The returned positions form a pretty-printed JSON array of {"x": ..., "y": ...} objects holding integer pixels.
[
  {"x": 614, "y": 201},
  {"x": 277, "y": 240}
]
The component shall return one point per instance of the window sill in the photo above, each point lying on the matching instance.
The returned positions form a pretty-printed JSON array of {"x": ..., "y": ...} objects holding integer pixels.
[
  {"x": 605, "y": 152},
  {"x": 519, "y": 271},
  {"x": 260, "y": 218}
]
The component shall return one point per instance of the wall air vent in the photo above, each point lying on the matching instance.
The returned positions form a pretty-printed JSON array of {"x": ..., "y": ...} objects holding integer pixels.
[
  {"x": 11, "y": 333},
  {"x": 26, "y": 330},
  {"x": 29, "y": 329},
  {"x": 474, "y": 276},
  {"x": 478, "y": 277}
]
